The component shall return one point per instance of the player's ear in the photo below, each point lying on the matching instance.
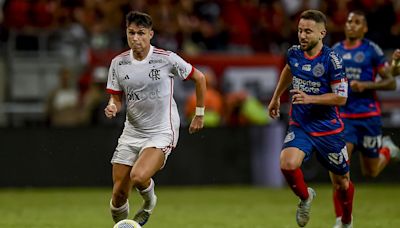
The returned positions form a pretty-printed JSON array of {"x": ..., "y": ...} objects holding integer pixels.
[
  {"x": 323, "y": 34},
  {"x": 151, "y": 33}
]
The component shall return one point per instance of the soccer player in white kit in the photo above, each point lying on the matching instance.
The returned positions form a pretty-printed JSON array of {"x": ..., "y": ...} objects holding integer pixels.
[{"x": 144, "y": 76}]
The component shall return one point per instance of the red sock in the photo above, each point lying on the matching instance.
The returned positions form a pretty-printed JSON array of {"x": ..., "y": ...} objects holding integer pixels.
[
  {"x": 296, "y": 182},
  {"x": 385, "y": 152},
  {"x": 337, "y": 205},
  {"x": 345, "y": 198}
]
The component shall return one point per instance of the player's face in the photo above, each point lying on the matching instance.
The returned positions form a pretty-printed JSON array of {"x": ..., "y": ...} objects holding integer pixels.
[
  {"x": 310, "y": 33},
  {"x": 138, "y": 37},
  {"x": 355, "y": 27}
]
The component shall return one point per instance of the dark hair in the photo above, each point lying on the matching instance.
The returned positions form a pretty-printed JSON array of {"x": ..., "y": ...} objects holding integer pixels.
[
  {"x": 360, "y": 13},
  {"x": 314, "y": 15},
  {"x": 139, "y": 18}
]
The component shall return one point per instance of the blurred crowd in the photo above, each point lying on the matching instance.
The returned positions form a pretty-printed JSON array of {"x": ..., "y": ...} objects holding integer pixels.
[
  {"x": 85, "y": 29},
  {"x": 198, "y": 26}
]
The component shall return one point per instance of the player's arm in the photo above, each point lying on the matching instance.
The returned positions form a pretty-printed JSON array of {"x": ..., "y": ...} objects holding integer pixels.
[
  {"x": 387, "y": 82},
  {"x": 200, "y": 81},
  {"x": 114, "y": 105},
  {"x": 285, "y": 80},
  {"x": 299, "y": 97}
]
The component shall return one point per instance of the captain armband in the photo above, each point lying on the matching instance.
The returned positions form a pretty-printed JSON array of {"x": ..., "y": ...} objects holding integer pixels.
[{"x": 340, "y": 87}]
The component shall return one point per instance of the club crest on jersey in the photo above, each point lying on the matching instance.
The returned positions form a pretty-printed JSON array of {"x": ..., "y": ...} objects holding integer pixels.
[
  {"x": 318, "y": 70},
  {"x": 154, "y": 74},
  {"x": 359, "y": 57}
]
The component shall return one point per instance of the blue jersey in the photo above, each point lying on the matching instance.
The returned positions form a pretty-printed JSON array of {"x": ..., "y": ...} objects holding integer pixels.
[
  {"x": 361, "y": 63},
  {"x": 316, "y": 76}
]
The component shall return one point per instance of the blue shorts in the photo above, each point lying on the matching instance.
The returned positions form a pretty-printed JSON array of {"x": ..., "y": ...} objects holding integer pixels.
[
  {"x": 365, "y": 134},
  {"x": 331, "y": 149}
]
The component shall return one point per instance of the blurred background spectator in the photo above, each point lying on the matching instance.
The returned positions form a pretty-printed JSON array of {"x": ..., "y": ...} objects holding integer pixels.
[{"x": 63, "y": 109}]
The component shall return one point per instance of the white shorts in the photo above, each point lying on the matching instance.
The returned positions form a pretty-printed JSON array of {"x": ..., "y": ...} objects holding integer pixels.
[{"x": 130, "y": 146}]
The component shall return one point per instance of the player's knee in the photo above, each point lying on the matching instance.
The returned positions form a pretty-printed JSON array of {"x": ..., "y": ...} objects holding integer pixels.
[
  {"x": 289, "y": 165},
  {"x": 371, "y": 173},
  {"x": 119, "y": 198},
  {"x": 138, "y": 178}
]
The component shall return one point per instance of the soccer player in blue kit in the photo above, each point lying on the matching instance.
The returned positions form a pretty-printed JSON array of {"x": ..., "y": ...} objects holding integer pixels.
[
  {"x": 362, "y": 60},
  {"x": 319, "y": 86}
]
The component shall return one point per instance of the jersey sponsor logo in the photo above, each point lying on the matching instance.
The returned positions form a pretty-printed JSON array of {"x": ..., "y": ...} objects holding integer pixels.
[
  {"x": 154, "y": 74},
  {"x": 359, "y": 57},
  {"x": 124, "y": 62},
  {"x": 139, "y": 96},
  {"x": 180, "y": 70},
  {"x": 307, "y": 86},
  {"x": 336, "y": 61},
  {"x": 114, "y": 77},
  {"x": 347, "y": 56},
  {"x": 153, "y": 61},
  {"x": 372, "y": 142},
  {"x": 306, "y": 67},
  {"x": 353, "y": 73},
  {"x": 318, "y": 70},
  {"x": 289, "y": 137}
]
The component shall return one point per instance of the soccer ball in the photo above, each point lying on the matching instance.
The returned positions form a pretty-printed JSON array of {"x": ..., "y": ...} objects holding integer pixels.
[{"x": 127, "y": 223}]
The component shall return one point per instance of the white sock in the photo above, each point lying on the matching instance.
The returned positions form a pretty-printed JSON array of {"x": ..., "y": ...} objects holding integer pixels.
[
  {"x": 148, "y": 196},
  {"x": 119, "y": 213}
]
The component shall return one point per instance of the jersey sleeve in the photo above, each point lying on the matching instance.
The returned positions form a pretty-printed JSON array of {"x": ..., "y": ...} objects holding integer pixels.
[
  {"x": 378, "y": 57},
  {"x": 180, "y": 67},
  {"x": 113, "y": 86},
  {"x": 338, "y": 79}
]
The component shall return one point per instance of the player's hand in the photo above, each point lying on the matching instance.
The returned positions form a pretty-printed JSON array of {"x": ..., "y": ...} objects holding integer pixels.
[
  {"x": 196, "y": 124},
  {"x": 358, "y": 86},
  {"x": 273, "y": 108},
  {"x": 300, "y": 97},
  {"x": 110, "y": 111},
  {"x": 396, "y": 55}
]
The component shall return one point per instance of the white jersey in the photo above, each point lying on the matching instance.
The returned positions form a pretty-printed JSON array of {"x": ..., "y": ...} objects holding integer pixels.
[{"x": 148, "y": 88}]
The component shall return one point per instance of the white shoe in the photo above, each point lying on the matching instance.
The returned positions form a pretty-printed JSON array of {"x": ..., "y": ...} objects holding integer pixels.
[
  {"x": 304, "y": 207},
  {"x": 339, "y": 223},
  {"x": 394, "y": 150},
  {"x": 143, "y": 214}
]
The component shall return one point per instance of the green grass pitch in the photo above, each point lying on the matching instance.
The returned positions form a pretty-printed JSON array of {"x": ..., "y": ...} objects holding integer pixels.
[{"x": 195, "y": 207}]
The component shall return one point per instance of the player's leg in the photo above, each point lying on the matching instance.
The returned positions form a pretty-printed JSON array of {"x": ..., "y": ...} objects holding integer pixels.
[
  {"x": 351, "y": 139},
  {"x": 332, "y": 154},
  {"x": 336, "y": 202},
  {"x": 119, "y": 204},
  {"x": 297, "y": 148},
  {"x": 375, "y": 157},
  {"x": 149, "y": 162},
  {"x": 344, "y": 190},
  {"x": 372, "y": 164}
]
